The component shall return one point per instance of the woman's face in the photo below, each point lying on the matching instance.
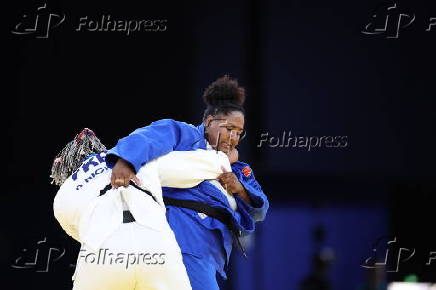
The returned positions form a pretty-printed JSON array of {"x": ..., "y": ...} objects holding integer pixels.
[{"x": 224, "y": 131}]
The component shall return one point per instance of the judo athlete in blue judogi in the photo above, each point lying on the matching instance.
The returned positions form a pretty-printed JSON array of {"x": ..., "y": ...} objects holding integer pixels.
[{"x": 206, "y": 218}]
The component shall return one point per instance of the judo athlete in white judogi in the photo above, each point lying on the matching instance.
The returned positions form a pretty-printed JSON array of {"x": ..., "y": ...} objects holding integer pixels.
[{"x": 126, "y": 240}]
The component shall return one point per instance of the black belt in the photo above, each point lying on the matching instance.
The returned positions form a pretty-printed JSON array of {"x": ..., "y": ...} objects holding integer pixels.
[
  {"x": 214, "y": 212},
  {"x": 127, "y": 215},
  {"x": 109, "y": 186}
]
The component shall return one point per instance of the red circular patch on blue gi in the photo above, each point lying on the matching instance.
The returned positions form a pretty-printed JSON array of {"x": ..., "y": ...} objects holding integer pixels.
[{"x": 246, "y": 171}]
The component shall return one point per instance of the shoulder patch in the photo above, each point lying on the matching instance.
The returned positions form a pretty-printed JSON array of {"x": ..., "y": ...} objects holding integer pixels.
[{"x": 246, "y": 171}]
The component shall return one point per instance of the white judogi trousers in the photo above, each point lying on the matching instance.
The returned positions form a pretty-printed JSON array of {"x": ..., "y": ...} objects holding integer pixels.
[
  {"x": 133, "y": 257},
  {"x": 143, "y": 254}
]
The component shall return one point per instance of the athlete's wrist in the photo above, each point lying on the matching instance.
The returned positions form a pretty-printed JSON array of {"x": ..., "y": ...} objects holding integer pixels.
[{"x": 243, "y": 194}]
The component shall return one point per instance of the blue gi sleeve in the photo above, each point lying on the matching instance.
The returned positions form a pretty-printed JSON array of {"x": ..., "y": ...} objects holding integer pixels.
[
  {"x": 150, "y": 142},
  {"x": 260, "y": 204}
]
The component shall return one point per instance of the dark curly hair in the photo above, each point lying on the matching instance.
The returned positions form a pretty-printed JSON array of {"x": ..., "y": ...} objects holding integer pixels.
[{"x": 223, "y": 96}]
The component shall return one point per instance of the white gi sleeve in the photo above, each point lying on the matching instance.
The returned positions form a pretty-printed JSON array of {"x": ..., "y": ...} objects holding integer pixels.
[{"x": 186, "y": 169}]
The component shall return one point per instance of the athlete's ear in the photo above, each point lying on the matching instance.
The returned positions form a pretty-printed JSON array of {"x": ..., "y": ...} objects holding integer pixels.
[{"x": 208, "y": 120}]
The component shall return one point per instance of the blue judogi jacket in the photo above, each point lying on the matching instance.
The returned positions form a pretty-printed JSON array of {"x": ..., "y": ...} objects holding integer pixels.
[{"x": 200, "y": 236}]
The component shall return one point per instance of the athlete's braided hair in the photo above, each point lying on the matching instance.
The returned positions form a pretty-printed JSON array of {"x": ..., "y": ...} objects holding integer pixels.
[
  {"x": 73, "y": 154},
  {"x": 223, "y": 96}
]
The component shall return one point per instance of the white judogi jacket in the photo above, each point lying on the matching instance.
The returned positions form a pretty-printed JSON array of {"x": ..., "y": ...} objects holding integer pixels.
[{"x": 90, "y": 218}]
